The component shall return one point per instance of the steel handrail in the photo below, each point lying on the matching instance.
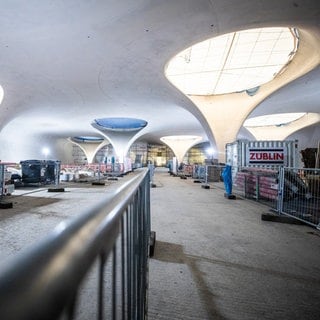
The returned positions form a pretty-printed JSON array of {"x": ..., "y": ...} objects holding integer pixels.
[{"x": 43, "y": 281}]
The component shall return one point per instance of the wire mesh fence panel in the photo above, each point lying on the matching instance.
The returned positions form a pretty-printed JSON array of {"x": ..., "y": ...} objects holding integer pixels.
[
  {"x": 214, "y": 173},
  {"x": 187, "y": 170},
  {"x": 199, "y": 172},
  {"x": 238, "y": 182},
  {"x": 259, "y": 185},
  {"x": 300, "y": 190}
]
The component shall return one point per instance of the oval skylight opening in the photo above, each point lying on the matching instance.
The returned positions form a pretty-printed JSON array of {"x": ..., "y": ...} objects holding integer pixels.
[
  {"x": 180, "y": 138},
  {"x": 121, "y": 124},
  {"x": 87, "y": 139},
  {"x": 280, "y": 119},
  {"x": 233, "y": 62}
]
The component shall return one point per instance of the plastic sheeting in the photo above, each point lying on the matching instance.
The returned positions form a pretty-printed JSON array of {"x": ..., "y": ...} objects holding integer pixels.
[{"x": 227, "y": 179}]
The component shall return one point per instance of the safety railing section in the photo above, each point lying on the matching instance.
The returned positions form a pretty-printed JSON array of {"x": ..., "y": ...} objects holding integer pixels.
[
  {"x": 207, "y": 173},
  {"x": 47, "y": 281},
  {"x": 299, "y": 194},
  {"x": 185, "y": 170},
  {"x": 290, "y": 191},
  {"x": 257, "y": 184},
  {"x": 199, "y": 172}
]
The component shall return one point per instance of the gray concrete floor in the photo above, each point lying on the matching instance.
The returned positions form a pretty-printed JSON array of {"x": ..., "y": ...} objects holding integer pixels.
[
  {"x": 216, "y": 259},
  {"x": 36, "y": 212}
]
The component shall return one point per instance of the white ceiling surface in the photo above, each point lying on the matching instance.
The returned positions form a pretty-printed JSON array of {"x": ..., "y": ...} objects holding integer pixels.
[{"x": 65, "y": 63}]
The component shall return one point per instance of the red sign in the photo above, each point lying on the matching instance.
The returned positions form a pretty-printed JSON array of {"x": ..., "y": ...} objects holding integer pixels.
[{"x": 266, "y": 156}]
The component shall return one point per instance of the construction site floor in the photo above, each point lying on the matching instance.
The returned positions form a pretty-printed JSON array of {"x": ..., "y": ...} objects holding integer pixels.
[{"x": 214, "y": 258}]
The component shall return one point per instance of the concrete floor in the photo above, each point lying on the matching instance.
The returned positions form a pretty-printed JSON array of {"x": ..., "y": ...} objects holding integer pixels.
[
  {"x": 36, "y": 212},
  {"x": 214, "y": 258}
]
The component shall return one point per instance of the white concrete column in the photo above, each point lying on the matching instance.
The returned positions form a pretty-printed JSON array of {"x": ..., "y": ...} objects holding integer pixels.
[
  {"x": 181, "y": 144},
  {"x": 120, "y": 140},
  {"x": 120, "y": 132},
  {"x": 89, "y": 148}
]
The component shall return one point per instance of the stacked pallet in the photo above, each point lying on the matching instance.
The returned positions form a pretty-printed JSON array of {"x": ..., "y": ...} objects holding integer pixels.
[{"x": 257, "y": 184}]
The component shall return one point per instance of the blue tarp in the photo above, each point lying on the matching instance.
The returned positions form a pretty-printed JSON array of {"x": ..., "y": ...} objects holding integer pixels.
[{"x": 227, "y": 179}]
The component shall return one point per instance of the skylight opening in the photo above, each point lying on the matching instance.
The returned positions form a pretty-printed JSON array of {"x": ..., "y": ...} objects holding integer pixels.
[
  {"x": 88, "y": 139},
  {"x": 233, "y": 62},
  {"x": 278, "y": 120},
  {"x": 121, "y": 124},
  {"x": 181, "y": 138}
]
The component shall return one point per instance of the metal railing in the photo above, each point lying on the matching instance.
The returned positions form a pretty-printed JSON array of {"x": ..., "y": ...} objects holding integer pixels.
[
  {"x": 207, "y": 173},
  {"x": 46, "y": 281},
  {"x": 258, "y": 185},
  {"x": 293, "y": 192},
  {"x": 299, "y": 194}
]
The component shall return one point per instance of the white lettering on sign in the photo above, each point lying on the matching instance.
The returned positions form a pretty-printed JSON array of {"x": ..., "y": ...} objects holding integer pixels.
[{"x": 266, "y": 156}]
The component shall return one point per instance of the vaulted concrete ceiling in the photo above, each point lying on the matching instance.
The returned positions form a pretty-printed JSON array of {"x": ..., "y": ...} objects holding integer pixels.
[{"x": 65, "y": 63}]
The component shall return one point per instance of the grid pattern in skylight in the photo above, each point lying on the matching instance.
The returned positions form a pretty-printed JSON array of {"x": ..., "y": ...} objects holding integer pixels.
[
  {"x": 279, "y": 119},
  {"x": 232, "y": 62}
]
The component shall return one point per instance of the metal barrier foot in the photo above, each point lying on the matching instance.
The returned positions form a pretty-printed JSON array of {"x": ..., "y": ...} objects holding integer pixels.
[
  {"x": 98, "y": 183},
  {"x": 230, "y": 196},
  {"x": 5, "y": 205},
  {"x": 152, "y": 243},
  {"x": 56, "y": 190},
  {"x": 280, "y": 218}
]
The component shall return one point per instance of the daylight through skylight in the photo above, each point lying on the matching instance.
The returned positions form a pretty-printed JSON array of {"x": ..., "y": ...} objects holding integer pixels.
[
  {"x": 233, "y": 62},
  {"x": 279, "y": 119}
]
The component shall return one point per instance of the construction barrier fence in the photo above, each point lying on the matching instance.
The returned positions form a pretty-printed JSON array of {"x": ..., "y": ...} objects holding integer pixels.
[
  {"x": 293, "y": 192},
  {"x": 299, "y": 194}
]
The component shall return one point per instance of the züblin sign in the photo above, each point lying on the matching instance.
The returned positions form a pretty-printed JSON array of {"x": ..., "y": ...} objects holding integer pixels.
[{"x": 266, "y": 156}]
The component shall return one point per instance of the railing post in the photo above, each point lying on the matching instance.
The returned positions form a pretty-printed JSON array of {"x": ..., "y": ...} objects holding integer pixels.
[
  {"x": 280, "y": 190},
  {"x": 245, "y": 186},
  {"x": 257, "y": 187}
]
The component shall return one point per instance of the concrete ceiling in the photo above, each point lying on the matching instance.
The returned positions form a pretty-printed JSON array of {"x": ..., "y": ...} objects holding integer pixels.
[{"x": 65, "y": 63}]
